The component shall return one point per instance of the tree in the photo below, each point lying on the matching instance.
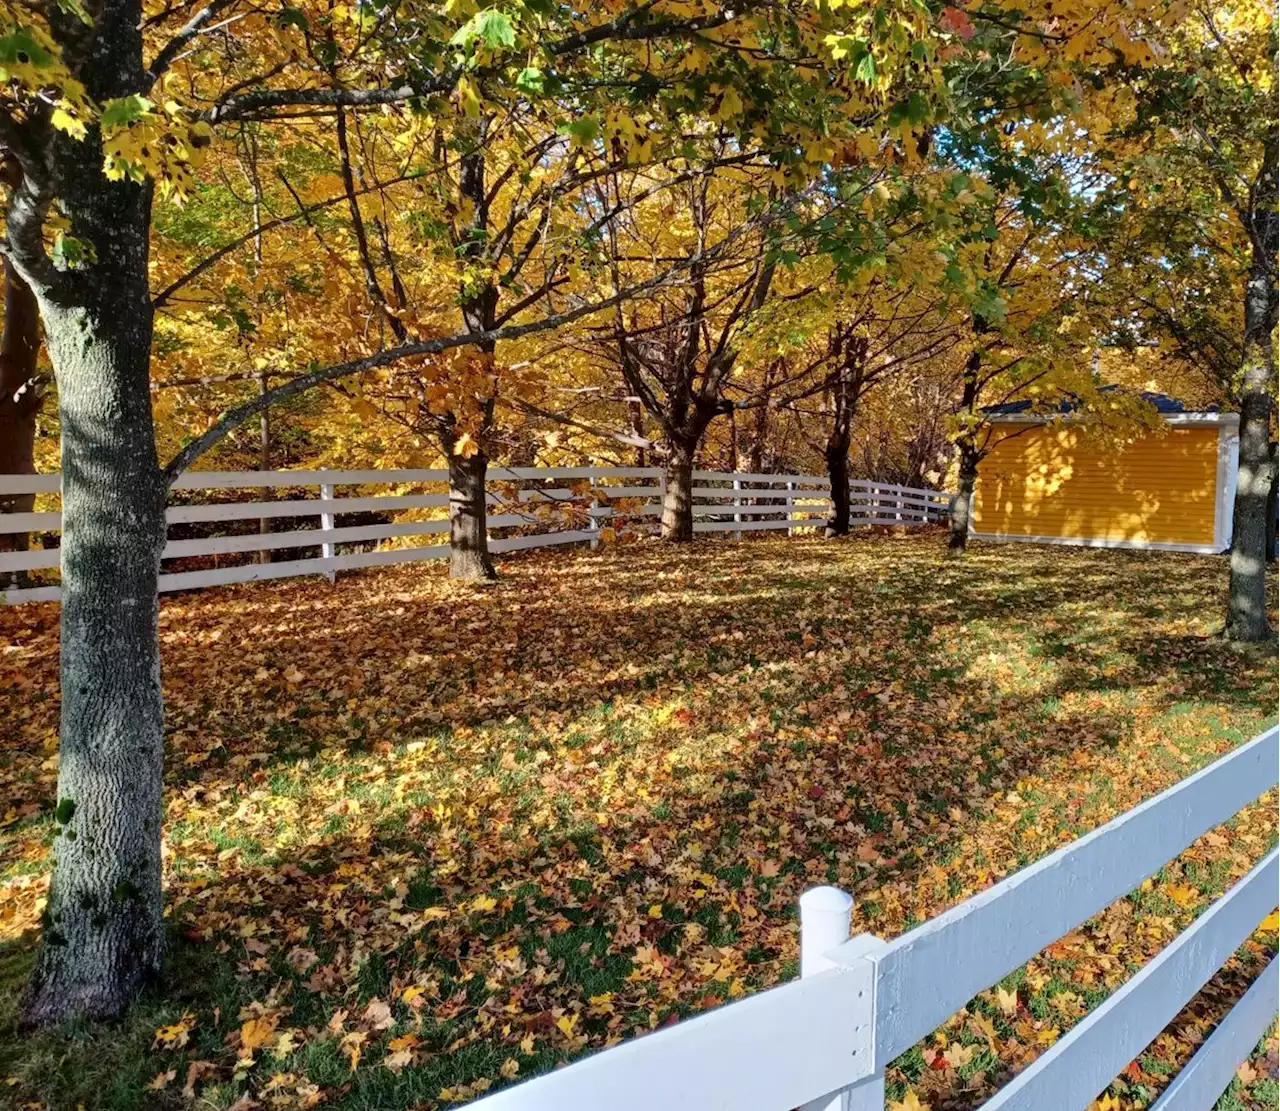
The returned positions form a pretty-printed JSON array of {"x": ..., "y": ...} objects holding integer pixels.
[
  {"x": 677, "y": 350},
  {"x": 85, "y": 81},
  {"x": 1196, "y": 254}
]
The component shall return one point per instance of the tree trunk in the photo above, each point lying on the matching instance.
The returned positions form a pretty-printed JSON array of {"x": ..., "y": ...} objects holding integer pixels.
[
  {"x": 1273, "y": 510},
  {"x": 264, "y": 446},
  {"x": 1247, "y": 589},
  {"x": 20, "y": 401},
  {"x": 677, "y": 498},
  {"x": 635, "y": 417},
  {"x": 838, "y": 471},
  {"x": 468, "y": 535},
  {"x": 962, "y": 504},
  {"x": 104, "y": 928},
  {"x": 851, "y": 353}
]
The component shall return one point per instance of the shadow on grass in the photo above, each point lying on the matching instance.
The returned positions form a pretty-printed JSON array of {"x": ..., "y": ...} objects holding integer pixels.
[{"x": 771, "y": 718}]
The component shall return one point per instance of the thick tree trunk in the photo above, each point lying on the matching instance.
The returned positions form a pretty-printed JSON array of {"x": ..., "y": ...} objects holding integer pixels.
[
  {"x": 104, "y": 934},
  {"x": 1247, "y": 589},
  {"x": 20, "y": 400},
  {"x": 468, "y": 535},
  {"x": 846, "y": 388},
  {"x": 838, "y": 472},
  {"x": 1273, "y": 510},
  {"x": 677, "y": 498},
  {"x": 962, "y": 504},
  {"x": 104, "y": 928}
]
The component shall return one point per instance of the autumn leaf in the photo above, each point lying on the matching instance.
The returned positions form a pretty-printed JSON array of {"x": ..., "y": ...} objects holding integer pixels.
[
  {"x": 1007, "y": 1001},
  {"x": 177, "y": 1035},
  {"x": 162, "y": 1080},
  {"x": 957, "y": 22},
  {"x": 256, "y": 1032}
]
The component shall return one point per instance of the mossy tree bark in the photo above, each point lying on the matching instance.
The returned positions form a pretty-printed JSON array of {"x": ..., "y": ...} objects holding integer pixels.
[{"x": 104, "y": 930}]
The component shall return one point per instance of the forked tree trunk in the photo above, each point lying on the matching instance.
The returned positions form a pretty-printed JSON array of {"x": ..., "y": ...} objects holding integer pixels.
[
  {"x": 962, "y": 503},
  {"x": 20, "y": 400},
  {"x": 1247, "y": 589},
  {"x": 468, "y": 533},
  {"x": 677, "y": 497},
  {"x": 104, "y": 928}
]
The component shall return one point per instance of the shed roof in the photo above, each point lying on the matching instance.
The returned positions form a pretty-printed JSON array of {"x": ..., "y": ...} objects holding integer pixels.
[{"x": 1164, "y": 404}]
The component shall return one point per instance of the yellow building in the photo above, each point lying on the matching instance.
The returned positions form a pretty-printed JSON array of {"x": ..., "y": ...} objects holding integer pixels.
[{"x": 1056, "y": 483}]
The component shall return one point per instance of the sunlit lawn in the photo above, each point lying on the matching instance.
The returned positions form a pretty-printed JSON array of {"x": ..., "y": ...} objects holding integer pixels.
[{"x": 424, "y": 838}]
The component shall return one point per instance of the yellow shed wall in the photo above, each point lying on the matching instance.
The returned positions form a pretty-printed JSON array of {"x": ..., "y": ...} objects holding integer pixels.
[{"x": 1059, "y": 482}]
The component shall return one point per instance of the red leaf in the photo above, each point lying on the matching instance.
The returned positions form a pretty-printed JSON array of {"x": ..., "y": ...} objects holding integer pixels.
[{"x": 957, "y": 22}]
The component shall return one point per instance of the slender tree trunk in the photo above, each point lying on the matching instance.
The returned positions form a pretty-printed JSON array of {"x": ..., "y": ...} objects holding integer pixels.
[
  {"x": 20, "y": 401},
  {"x": 962, "y": 504},
  {"x": 468, "y": 536},
  {"x": 677, "y": 499},
  {"x": 104, "y": 928},
  {"x": 264, "y": 457},
  {"x": 1247, "y": 589}
]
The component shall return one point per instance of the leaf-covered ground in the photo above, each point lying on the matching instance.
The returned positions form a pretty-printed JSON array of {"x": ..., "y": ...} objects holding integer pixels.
[{"x": 423, "y": 839}]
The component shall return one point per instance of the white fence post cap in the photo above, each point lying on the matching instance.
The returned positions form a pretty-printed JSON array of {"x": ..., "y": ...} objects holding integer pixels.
[{"x": 826, "y": 900}]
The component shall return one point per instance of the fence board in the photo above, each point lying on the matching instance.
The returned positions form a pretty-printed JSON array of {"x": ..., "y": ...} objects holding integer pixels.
[
  {"x": 30, "y": 522},
  {"x": 225, "y": 480},
  {"x": 1204, "y": 1078},
  {"x": 301, "y": 538},
  {"x": 32, "y": 594},
  {"x": 1068, "y": 1076},
  {"x": 304, "y": 507},
  {"x": 927, "y": 975},
  {"x": 499, "y": 474},
  {"x": 768, "y": 1051},
  {"x": 30, "y": 483},
  {"x": 34, "y": 560}
]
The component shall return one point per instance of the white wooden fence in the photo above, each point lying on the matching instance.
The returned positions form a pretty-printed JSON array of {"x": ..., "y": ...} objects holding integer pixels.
[
  {"x": 566, "y": 504},
  {"x": 824, "y": 1040}
]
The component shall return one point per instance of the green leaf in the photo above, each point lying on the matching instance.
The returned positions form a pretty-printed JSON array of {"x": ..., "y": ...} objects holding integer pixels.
[
  {"x": 584, "y": 130},
  {"x": 293, "y": 17},
  {"x": 492, "y": 27},
  {"x": 531, "y": 80},
  {"x": 866, "y": 70},
  {"x": 125, "y": 110},
  {"x": 19, "y": 48}
]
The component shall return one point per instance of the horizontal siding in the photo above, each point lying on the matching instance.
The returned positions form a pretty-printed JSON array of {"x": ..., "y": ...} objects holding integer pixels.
[{"x": 1061, "y": 482}]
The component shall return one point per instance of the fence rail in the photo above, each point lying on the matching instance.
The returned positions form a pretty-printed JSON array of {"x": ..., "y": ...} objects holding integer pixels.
[
  {"x": 566, "y": 505},
  {"x": 824, "y": 1041}
]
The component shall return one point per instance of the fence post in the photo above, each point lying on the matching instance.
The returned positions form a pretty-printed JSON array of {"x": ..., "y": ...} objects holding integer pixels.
[
  {"x": 825, "y": 917},
  {"x": 791, "y": 510},
  {"x": 737, "y": 508},
  {"x": 326, "y": 523}
]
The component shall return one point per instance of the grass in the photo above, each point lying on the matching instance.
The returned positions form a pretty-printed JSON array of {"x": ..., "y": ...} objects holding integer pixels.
[{"x": 424, "y": 838}]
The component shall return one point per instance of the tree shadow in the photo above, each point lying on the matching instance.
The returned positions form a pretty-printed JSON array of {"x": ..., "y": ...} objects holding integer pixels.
[{"x": 358, "y": 771}]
